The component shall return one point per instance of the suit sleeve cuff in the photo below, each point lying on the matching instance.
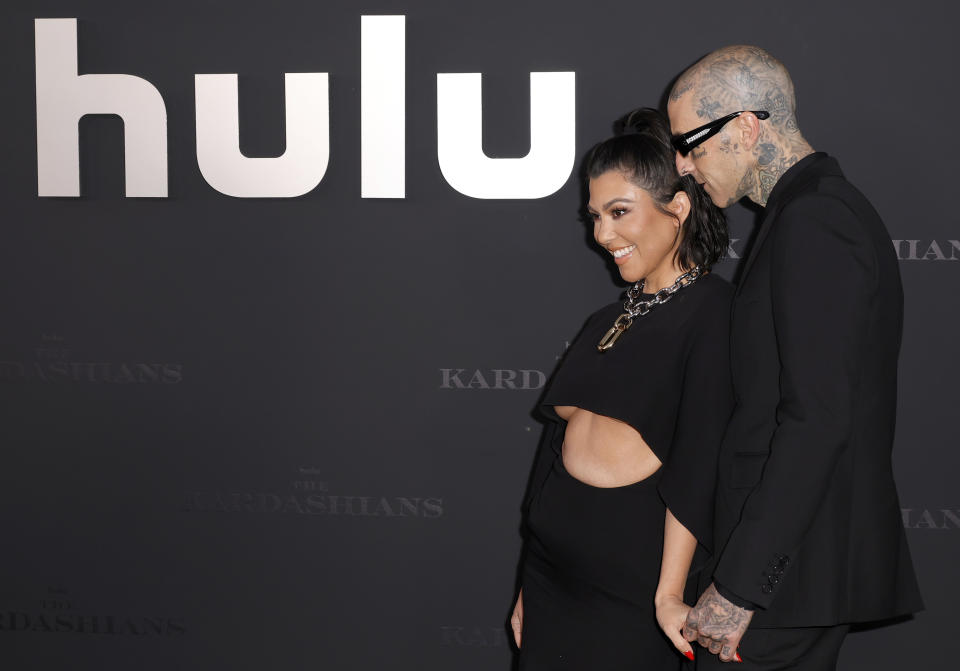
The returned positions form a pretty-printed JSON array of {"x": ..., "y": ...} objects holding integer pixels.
[{"x": 733, "y": 598}]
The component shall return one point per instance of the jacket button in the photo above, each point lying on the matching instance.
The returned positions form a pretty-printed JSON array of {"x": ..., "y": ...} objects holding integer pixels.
[
  {"x": 766, "y": 589},
  {"x": 773, "y": 579}
]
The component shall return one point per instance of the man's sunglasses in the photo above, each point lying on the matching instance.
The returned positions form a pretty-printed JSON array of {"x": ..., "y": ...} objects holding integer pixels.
[{"x": 687, "y": 141}]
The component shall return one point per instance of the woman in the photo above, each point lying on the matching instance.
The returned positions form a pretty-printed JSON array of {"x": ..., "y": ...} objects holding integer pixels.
[{"x": 621, "y": 497}]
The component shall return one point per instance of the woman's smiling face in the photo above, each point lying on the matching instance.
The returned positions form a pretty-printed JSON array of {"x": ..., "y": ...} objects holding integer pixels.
[{"x": 641, "y": 237}]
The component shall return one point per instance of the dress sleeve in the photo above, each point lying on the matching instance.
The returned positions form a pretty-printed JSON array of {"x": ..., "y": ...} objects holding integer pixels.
[
  {"x": 688, "y": 479},
  {"x": 546, "y": 453}
]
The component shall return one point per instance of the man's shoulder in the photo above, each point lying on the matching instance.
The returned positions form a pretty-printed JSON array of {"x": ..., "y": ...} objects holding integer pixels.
[
  {"x": 825, "y": 188},
  {"x": 831, "y": 219}
]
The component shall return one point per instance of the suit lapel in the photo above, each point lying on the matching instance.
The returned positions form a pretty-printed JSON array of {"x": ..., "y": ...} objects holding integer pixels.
[
  {"x": 765, "y": 226},
  {"x": 792, "y": 182}
]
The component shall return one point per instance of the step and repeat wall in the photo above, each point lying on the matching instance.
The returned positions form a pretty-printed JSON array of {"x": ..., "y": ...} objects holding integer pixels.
[{"x": 281, "y": 284}]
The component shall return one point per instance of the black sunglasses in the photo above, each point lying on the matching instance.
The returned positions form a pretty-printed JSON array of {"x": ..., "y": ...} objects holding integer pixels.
[{"x": 687, "y": 141}]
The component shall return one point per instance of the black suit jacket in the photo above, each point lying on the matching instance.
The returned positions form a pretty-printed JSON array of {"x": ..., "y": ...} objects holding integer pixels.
[{"x": 808, "y": 521}]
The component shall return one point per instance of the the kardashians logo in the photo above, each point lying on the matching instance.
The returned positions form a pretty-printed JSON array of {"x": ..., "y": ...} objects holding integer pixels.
[
  {"x": 907, "y": 250},
  {"x": 937, "y": 518},
  {"x": 309, "y": 495},
  {"x": 493, "y": 378},
  {"x": 52, "y": 361},
  {"x": 927, "y": 250},
  {"x": 57, "y": 615}
]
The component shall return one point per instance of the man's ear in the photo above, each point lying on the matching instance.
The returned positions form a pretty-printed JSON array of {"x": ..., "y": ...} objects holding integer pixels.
[
  {"x": 748, "y": 128},
  {"x": 679, "y": 207}
]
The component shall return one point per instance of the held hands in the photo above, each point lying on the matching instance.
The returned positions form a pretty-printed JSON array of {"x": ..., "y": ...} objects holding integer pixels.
[
  {"x": 717, "y": 625},
  {"x": 671, "y": 616},
  {"x": 714, "y": 622},
  {"x": 516, "y": 620}
]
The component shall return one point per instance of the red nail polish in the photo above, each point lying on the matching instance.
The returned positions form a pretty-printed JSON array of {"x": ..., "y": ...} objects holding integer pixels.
[
  {"x": 737, "y": 657},
  {"x": 689, "y": 655}
]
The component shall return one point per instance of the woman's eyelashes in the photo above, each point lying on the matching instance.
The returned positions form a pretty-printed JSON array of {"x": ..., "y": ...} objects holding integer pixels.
[{"x": 615, "y": 213}]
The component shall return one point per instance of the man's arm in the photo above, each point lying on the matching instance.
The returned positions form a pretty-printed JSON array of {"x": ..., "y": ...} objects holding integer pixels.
[{"x": 821, "y": 282}]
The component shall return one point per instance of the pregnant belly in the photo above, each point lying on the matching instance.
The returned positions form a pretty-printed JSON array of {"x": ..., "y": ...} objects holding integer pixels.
[{"x": 602, "y": 451}]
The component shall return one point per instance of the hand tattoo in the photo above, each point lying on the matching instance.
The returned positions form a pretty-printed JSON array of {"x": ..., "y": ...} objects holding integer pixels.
[{"x": 717, "y": 624}]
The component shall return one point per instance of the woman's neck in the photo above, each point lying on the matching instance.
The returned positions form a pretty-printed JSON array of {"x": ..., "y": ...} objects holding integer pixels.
[{"x": 661, "y": 279}]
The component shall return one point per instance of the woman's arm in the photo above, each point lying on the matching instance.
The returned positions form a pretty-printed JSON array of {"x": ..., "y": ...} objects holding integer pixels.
[
  {"x": 516, "y": 620},
  {"x": 678, "y": 548}
]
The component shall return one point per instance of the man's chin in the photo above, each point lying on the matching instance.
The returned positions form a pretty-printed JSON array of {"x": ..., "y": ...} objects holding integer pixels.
[
  {"x": 719, "y": 202},
  {"x": 722, "y": 201},
  {"x": 710, "y": 194}
]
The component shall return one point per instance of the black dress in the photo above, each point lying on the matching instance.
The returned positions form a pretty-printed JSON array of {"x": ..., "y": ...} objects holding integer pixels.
[{"x": 592, "y": 555}]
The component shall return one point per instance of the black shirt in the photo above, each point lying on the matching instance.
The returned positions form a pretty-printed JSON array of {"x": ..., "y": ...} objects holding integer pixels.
[{"x": 667, "y": 376}]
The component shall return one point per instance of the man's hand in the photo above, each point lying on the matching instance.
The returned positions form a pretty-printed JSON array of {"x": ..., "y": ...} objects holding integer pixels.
[{"x": 717, "y": 624}]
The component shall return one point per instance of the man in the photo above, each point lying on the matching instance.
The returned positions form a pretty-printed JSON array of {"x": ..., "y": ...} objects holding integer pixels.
[{"x": 808, "y": 532}]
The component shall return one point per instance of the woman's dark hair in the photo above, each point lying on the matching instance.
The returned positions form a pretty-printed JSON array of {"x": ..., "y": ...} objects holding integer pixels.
[{"x": 642, "y": 152}]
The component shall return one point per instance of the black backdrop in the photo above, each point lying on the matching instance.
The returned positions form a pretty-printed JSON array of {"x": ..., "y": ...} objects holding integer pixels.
[{"x": 233, "y": 429}]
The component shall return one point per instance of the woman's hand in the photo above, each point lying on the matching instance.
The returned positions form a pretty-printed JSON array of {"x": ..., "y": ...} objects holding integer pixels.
[
  {"x": 671, "y": 616},
  {"x": 516, "y": 620}
]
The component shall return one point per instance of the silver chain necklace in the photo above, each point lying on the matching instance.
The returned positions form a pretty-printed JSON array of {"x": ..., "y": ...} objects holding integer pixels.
[{"x": 637, "y": 307}]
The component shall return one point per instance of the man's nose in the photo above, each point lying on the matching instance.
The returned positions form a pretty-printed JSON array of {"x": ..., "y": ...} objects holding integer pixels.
[{"x": 684, "y": 164}]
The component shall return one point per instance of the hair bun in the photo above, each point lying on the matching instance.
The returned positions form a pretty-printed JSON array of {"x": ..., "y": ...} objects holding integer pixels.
[
  {"x": 640, "y": 120},
  {"x": 643, "y": 121}
]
